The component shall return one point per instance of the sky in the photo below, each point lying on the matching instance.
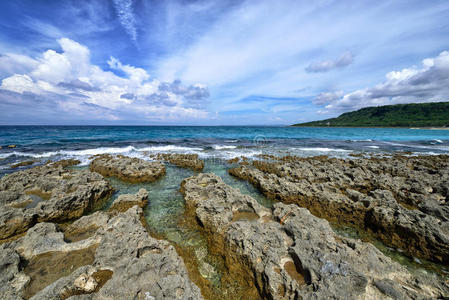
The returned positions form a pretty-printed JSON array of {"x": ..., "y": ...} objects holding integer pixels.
[{"x": 173, "y": 62}]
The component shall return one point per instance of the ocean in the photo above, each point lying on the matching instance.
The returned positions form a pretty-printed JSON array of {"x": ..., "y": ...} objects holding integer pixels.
[{"x": 218, "y": 142}]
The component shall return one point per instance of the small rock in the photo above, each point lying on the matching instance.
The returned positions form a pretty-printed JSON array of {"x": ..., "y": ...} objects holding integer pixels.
[
  {"x": 182, "y": 160},
  {"x": 127, "y": 168},
  {"x": 85, "y": 283},
  {"x": 126, "y": 201}
]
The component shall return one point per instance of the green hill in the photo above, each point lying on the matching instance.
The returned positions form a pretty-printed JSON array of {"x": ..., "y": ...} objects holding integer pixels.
[{"x": 401, "y": 115}]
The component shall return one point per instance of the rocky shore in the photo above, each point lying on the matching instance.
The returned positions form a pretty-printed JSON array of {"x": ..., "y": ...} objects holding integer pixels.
[
  {"x": 287, "y": 253},
  {"x": 56, "y": 242},
  {"x": 49, "y": 193},
  {"x": 403, "y": 201},
  {"x": 105, "y": 255}
]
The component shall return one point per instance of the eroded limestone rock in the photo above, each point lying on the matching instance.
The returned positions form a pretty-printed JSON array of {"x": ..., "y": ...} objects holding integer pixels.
[
  {"x": 127, "y": 168},
  {"x": 48, "y": 193},
  {"x": 402, "y": 200},
  {"x": 119, "y": 261},
  {"x": 182, "y": 160},
  {"x": 289, "y": 253},
  {"x": 124, "y": 202}
]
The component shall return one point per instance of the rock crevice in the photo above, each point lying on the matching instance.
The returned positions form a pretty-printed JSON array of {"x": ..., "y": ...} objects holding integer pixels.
[
  {"x": 289, "y": 253},
  {"x": 401, "y": 200},
  {"x": 119, "y": 260}
]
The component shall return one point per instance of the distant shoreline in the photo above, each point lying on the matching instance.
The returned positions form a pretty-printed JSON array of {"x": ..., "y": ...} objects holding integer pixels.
[
  {"x": 431, "y": 128},
  {"x": 387, "y": 127},
  {"x": 432, "y": 115}
]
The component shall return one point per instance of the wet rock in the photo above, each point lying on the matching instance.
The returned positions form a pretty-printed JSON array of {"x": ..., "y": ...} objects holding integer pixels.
[
  {"x": 66, "y": 163},
  {"x": 182, "y": 160},
  {"x": 288, "y": 253},
  {"x": 47, "y": 193},
  {"x": 233, "y": 160},
  {"x": 127, "y": 168},
  {"x": 119, "y": 261},
  {"x": 23, "y": 164},
  {"x": 402, "y": 200},
  {"x": 124, "y": 202}
]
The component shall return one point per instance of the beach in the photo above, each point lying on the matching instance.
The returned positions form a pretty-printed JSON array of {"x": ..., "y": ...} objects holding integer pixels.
[{"x": 224, "y": 212}]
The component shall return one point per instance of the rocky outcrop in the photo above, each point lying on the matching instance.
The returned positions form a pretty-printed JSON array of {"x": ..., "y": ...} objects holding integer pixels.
[
  {"x": 181, "y": 160},
  {"x": 288, "y": 253},
  {"x": 127, "y": 168},
  {"x": 48, "y": 193},
  {"x": 119, "y": 260},
  {"x": 401, "y": 200},
  {"x": 22, "y": 164},
  {"x": 126, "y": 201}
]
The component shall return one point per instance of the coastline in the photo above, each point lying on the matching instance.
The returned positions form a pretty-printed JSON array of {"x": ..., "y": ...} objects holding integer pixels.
[
  {"x": 314, "y": 197},
  {"x": 388, "y": 127}
]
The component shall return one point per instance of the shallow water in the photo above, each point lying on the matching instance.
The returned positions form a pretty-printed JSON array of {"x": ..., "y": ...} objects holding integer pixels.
[
  {"x": 414, "y": 265},
  {"x": 165, "y": 215}
]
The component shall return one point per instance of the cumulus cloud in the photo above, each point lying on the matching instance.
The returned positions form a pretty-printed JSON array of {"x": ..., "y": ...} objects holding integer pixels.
[
  {"x": 429, "y": 83},
  {"x": 71, "y": 83},
  {"x": 325, "y": 66},
  {"x": 11, "y": 63},
  {"x": 125, "y": 14}
]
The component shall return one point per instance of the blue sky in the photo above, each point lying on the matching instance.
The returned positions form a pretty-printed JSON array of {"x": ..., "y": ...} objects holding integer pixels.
[{"x": 216, "y": 62}]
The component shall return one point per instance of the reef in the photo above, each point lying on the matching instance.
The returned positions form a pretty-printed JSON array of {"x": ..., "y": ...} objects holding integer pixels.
[
  {"x": 287, "y": 253},
  {"x": 128, "y": 169},
  {"x": 105, "y": 255},
  {"x": 48, "y": 193},
  {"x": 401, "y": 200},
  {"x": 62, "y": 238}
]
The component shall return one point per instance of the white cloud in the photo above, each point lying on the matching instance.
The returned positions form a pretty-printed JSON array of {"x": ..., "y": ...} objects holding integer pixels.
[
  {"x": 136, "y": 75},
  {"x": 327, "y": 97},
  {"x": 263, "y": 47},
  {"x": 20, "y": 83},
  {"x": 125, "y": 14},
  {"x": 324, "y": 66},
  {"x": 430, "y": 83},
  {"x": 74, "y": 84},
  {"x": 41, "y": 27},
  {"x": 11, "y": 63}
]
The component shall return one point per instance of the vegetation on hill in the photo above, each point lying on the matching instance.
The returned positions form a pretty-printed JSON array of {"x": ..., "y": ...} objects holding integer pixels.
[{"x": 401, "y": 115}]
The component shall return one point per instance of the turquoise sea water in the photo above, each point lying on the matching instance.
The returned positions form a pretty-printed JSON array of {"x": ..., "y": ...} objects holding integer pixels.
[{"x": 81, "y": 142}]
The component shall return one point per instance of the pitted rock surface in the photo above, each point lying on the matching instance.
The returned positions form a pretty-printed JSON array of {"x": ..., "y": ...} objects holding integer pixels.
[
  {"x": 48, "y": 193},
  {"x": 404, "y": 201},
  {"x": 127, "y": 262},
  {"x": 291, "y": 253},
  {"x": 128, "y": 169}
]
